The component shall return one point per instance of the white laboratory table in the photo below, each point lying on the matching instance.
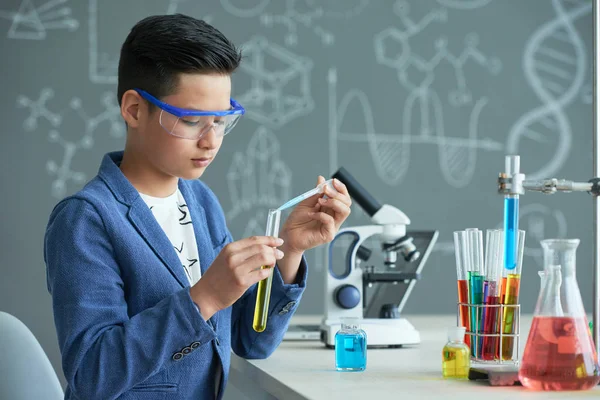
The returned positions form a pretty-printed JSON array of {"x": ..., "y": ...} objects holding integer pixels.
[{"x": 305, "y": 370}]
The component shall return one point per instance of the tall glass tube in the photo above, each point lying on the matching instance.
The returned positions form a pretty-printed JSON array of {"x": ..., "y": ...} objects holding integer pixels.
[
  {"x": 460, "y": 250},
  {"x": 511, "y": 297},
  {"x": 491, "y": 291},
  {"x": 476, "y": 276},
  {"x": 263, "y": 294},
  {"x": 511, "y": 215}
]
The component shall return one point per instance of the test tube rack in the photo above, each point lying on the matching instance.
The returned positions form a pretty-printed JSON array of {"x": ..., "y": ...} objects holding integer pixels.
[{"x": 502, "y": 339}]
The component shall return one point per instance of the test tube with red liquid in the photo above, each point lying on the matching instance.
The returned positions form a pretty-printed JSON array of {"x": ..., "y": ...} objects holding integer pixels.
[
  {"x": 460, "y": 252},
  {"x": 494, "y": 264}
]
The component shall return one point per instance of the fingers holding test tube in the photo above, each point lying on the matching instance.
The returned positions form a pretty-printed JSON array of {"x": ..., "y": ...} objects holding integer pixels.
[
  {"x": 317, "y": 217},
  {"x": 234, "y": 270},
  {"x": 335, "y": 202}
]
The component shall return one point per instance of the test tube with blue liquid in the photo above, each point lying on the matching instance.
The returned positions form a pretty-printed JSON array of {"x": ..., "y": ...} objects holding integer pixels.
[
  {"x": 511, "y": 214},
  {"x": 350, "y": 346},
  {"x": 512, "y": 241}
]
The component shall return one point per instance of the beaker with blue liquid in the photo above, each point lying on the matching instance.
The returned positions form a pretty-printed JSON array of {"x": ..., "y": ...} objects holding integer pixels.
[{"x": 350, "y": 346}]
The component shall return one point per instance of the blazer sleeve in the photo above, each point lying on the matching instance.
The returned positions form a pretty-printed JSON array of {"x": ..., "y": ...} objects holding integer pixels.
[
  {"x": 104, "y": 351},
  {"x": 245, "y": 341}
]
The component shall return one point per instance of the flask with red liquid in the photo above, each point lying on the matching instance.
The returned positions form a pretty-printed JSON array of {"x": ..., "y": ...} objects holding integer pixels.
[{"x": 560, "y": 353}]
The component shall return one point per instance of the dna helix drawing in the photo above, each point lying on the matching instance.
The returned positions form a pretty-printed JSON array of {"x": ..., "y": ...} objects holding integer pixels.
[{"x": 554, "y": 61}]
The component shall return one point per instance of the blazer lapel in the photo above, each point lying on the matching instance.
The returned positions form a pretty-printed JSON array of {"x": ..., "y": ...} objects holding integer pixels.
[{"x": 141, "y": 217}]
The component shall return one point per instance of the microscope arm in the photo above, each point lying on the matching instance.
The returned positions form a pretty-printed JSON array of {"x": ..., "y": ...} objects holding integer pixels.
[{"x": 380, "y": 214}]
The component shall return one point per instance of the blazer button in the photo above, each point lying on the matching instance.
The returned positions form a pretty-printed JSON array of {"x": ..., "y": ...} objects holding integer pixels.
[
  {"x": 186, "y": 350},
  {"x": 195, "y": 345},
  {"x": 289, "y": 305},
  {"x": 177, "y": 356}
]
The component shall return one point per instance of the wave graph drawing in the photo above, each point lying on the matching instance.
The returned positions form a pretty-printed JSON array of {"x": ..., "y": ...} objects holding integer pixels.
[{"x": 391, "y": 152}]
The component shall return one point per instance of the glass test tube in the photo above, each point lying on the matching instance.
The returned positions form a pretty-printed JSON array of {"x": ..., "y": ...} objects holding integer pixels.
[
  {"x": 476, "y": 275},
  {"x": 511, "y": 297},
  {"x": 491, "y": 291},
  {"x": 511, "y": 215},
  {"x": 263, "y": 294},
  {"x": 460, "y": 243}
]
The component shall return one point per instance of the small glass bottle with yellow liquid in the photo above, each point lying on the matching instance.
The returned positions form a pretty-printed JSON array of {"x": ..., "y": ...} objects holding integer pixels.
[{"x": 456, "y": 356}]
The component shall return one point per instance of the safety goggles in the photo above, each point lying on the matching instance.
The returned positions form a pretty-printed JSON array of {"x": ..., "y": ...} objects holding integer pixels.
[{"x": 193, "y": 124}]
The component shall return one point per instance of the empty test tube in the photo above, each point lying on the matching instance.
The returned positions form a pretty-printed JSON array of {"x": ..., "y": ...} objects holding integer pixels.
[{"x": 263, "y": 295}]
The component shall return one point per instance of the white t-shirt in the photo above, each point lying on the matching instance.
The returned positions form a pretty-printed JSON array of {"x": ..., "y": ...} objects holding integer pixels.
[{"x": 173, "y": 216}]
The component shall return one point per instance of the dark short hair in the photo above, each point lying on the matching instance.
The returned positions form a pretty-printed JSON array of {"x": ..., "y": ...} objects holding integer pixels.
[{"x": 161, "y": 47}]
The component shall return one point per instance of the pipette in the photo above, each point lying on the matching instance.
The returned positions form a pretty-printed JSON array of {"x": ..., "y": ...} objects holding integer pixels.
[{"x": 319, "y": 189}]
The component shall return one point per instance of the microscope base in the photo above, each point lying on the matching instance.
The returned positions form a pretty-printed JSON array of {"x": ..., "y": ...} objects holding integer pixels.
[{"x": 381, "y": 332}]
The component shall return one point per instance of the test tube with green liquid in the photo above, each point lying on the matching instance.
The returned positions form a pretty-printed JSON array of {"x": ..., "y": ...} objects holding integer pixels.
[
  {"x": 476, "y": 275},
  {"x": 263, "y": 295}
]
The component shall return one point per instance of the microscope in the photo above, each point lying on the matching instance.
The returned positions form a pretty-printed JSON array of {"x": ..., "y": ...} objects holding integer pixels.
[{"x": 347, "y": 288}]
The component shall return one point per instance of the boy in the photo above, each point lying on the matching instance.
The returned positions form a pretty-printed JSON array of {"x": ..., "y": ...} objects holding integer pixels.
[{"x": 150, "y": 293}]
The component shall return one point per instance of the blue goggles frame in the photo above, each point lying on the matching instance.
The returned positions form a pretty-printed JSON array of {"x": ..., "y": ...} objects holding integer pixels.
[{"x": 236, "y": 108}]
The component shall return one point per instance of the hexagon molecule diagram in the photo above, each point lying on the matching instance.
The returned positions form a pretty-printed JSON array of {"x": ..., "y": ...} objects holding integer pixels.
[{"x": 278, "y": 83}]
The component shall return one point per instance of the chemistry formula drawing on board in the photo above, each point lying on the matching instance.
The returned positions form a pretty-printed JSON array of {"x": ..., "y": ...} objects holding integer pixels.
[
  {"x": 391, "y": 151},
  {"x": 32, "y": 22},
  {"x": 277, "y": 83},
  {"x": 73, "y": 130},
  {"x": 309, "y": 15}
]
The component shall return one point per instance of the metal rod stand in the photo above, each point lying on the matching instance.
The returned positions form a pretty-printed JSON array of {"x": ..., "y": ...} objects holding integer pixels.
[{"x": 596, "y": 199}]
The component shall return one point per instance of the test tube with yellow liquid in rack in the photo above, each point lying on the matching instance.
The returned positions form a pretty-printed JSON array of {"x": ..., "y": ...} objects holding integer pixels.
[
  {"x": 263, "y": 294},
  {"x": 510, "y": 291}
]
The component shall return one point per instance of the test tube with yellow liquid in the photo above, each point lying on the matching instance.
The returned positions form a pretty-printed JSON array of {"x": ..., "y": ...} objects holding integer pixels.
[
  {"x": 511, "y": 289},
  {"x": 263, "y": 295}
]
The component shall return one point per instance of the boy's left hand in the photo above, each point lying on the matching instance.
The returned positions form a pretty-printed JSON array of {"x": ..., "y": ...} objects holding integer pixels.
[{"x": 316, "y": 220}]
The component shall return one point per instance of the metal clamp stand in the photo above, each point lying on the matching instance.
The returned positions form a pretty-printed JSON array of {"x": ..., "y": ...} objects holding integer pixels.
[{"x": 516, "y": 184}]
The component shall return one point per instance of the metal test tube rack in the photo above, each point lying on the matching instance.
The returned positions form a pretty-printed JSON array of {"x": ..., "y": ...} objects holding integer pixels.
[
  {"x": 500, "y": 337},
  {"x": 516, "y": 184}
]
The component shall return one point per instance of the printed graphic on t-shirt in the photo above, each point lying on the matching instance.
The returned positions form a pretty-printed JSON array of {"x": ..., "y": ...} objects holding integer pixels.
[
  {"x": 185, "y": 219},
  {"x": 173, "y": 216}
]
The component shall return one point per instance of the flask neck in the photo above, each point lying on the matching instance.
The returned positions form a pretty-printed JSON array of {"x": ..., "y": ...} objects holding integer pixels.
[{"x": 562, "y": 253}]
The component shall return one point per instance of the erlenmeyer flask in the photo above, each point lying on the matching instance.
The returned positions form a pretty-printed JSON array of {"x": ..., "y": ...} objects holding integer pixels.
[{"x": 560, "y": 353}]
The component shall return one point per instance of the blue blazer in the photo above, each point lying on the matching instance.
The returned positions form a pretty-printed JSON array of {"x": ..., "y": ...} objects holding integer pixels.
[{"x": 127, "y": 327}]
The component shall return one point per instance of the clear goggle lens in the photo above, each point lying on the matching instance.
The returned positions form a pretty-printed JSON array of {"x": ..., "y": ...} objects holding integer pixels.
[{"x": 194, "y": 127}]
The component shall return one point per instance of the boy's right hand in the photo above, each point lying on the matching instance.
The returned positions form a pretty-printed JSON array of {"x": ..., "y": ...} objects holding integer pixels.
[{"x": 236, "y": 268}]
